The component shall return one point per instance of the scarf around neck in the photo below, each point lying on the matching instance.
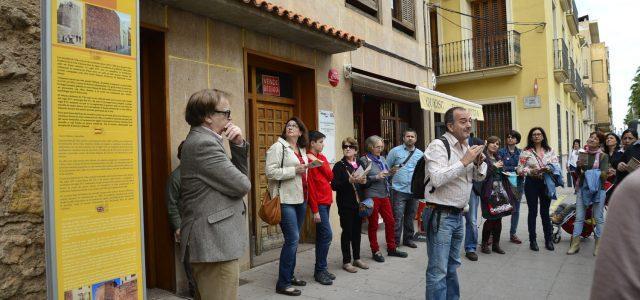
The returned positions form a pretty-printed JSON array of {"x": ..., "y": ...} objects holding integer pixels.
[
  {"x": 377, "y": 161},
  {"x": 597, "y": 152}
]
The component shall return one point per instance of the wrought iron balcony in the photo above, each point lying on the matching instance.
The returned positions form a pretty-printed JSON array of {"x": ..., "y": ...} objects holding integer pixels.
[
  {"x": 478, "y": 57},
  {"x": 560, "y": 60}
]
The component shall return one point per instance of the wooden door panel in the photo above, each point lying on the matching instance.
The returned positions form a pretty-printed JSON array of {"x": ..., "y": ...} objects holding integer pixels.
[{"x": 270, "y": 119}]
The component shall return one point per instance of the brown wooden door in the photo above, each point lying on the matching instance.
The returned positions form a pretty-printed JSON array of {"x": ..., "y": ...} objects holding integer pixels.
[
  {"x": 490, "y": 42},
  {"x": 269, "y": 116},
  {"x": 158, "y": 236}
]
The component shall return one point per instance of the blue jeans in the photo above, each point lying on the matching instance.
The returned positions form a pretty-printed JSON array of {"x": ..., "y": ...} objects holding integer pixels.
[
  {"x": 444, "y": 239},
  {"x": 581, "y": 209},
  {"x": 323, "y": 238},
  {"x": 515, "y": 214},
  {"x": 471, "y": 224},
  {"x": 404, "y": 211},
  {"x": 290, "y": 224}
]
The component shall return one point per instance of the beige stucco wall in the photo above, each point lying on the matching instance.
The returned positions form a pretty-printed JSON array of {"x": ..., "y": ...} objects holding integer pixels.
[{"x": 204, "y": 53}]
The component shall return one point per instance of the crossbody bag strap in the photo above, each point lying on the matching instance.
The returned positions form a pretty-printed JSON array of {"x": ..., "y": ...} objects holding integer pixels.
[
  {"x": 353, "y": 185},
  {"x": 284, "y": 152},
  {"x": 408, "y": 157}
]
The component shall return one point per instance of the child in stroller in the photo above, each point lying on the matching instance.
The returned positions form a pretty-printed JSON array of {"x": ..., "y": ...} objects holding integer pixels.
[{"x": 565, "y": 214}]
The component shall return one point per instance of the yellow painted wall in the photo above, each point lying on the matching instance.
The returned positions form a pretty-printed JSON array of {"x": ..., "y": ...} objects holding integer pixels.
[{"x": 537, "y": 58}]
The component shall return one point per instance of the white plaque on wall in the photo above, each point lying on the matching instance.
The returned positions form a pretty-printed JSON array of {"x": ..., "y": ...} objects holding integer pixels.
[
  {"x": 531, "y": 101},
  {"x": 327, "y": 126}
]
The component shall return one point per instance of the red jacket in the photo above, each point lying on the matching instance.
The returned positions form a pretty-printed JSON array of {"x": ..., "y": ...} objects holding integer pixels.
[{"x": 319, "y": 183}]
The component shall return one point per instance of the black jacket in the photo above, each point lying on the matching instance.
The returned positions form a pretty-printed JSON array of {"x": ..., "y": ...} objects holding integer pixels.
[
  {"x": 345, "y": 193},
  {"x": 633, "y": 151}
]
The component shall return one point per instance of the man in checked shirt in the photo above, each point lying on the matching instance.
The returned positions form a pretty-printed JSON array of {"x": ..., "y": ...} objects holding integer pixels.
[{"x": 451, "y": 166}]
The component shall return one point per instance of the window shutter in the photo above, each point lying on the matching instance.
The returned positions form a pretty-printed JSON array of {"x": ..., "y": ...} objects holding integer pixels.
[
  {"x": 409, "y": 13},
  {"x": 368, "y": 6},
  {"x": 404, "y": 15}
]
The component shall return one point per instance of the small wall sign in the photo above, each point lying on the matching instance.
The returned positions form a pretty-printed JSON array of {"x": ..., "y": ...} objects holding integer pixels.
[
  {"x": 532, "y": 102},
  {"x": 334, "y": 77}
]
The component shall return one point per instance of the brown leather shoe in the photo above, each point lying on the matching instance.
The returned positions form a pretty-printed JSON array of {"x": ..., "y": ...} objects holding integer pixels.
[{"x": 514, "y": 239}]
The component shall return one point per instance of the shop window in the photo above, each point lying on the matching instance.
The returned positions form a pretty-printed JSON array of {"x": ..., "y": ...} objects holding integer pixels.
[
  {"x": 369, "y": 7},
  {"x": 404, "y": 15}
]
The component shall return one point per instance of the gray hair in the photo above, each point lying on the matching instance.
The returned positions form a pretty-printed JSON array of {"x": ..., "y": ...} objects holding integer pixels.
[{"x": 371, "y": 142}]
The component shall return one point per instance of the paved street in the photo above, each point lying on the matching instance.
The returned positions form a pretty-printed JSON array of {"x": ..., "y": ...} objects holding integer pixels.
[{"x": 519, "y": 274}]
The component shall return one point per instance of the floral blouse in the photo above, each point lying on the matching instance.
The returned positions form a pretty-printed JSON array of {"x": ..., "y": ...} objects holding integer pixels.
[{"x": 529, "y": 161}]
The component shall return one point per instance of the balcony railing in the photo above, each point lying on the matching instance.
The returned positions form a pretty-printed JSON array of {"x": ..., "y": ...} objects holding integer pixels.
[
  {"x": 478, "y": 53},
  {"x": 560, "y": 55}
]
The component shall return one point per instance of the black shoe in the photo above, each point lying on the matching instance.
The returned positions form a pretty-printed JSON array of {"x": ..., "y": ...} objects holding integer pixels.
[
  {"x": 293, "y": 292},
  {"x": 472, "y": 256},
  {"x": 378, "y": 257},
  {"x": 322, "y": 278},
  {"x": 533, "y": 245},
  {"x": 397, "y": 253},
  {"x": 331, "y": 275},
  {"x": 410, "y": 244},
  {"x": 549, "y": 245},
  {"x": 298, "y": 282}
]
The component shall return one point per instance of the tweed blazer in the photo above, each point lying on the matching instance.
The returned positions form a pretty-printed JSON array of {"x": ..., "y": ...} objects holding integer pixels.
[{"x": 213, "y": 187}]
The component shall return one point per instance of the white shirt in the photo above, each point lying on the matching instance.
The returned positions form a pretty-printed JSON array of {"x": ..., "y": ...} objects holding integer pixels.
[
  {"x": 573, "y": 158},
  {"x": 452, "y": 180}
]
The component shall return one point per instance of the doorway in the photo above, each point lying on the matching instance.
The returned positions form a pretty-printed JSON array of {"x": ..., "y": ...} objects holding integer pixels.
[
  {"x": 385, "y": 118},
  {"x": 158, "y": 237},
  {"x": 276, "y": 90}
]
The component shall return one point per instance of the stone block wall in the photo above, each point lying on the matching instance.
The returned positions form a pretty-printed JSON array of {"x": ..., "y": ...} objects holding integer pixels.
[{"x": 22, "y": 255}]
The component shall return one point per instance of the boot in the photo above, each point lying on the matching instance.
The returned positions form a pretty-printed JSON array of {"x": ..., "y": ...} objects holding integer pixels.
[
  {"x": 575, "y": 245},
  {"x": 595, "y": 248},
  {"x": 485, "y": 248},
  {"x": 496, "y": 247}
]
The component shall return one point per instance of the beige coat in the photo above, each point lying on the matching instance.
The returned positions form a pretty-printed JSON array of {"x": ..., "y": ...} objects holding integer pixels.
[{"x": 291, "y": 191}]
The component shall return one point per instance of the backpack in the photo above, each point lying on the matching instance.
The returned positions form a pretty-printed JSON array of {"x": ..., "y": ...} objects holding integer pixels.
[{"x": 418, "y": 180}]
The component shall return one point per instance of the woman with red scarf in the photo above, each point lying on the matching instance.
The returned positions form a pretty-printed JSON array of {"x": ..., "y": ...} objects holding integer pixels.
[{"x": 593, "y": 165}]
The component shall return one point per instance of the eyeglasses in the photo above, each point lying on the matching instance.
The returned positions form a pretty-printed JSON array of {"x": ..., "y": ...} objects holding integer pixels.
[
  {"x": 292, "y": 126},
  {"x": 345, "y": 147},
  {"x": 537, "y": 134},
  {"x": 226, "y": 113}
]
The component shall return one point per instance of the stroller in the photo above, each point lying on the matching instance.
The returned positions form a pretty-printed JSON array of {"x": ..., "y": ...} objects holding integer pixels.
[{"x": 565, "y": 215}]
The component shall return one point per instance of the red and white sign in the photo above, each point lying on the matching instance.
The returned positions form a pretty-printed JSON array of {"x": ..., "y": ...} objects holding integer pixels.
[
  {"x": 270, "y": 85},
  {"x": 334, "y": 77}
]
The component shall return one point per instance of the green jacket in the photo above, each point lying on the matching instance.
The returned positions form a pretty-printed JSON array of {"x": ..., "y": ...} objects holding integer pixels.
[{"x": 172, "y": 192}]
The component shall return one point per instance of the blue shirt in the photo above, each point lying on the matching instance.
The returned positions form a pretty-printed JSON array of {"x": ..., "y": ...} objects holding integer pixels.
[
  {"x": 510, "y": 161},
  {"x": 401, "y": 181}
]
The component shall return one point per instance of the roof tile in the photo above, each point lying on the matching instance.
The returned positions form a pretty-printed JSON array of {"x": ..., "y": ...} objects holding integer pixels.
[{"x": 303, "y": 21}]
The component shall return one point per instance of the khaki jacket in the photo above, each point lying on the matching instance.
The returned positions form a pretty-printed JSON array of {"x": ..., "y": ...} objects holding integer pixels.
[{"x": 291, "y": 191}]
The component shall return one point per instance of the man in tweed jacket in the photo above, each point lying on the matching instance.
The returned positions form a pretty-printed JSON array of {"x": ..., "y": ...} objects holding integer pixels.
[{"x": 213, "y": 187}]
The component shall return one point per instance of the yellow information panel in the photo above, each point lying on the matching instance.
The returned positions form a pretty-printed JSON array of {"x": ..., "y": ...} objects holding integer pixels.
[{"x": 93, "y": 150}]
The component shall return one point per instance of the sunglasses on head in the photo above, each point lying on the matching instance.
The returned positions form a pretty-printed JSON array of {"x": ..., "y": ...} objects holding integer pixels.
[{"x": 345, "y": 147}]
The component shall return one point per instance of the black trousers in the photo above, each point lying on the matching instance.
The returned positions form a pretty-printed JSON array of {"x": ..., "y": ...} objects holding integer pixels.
[
  {"x": 492, "y": 228},
  {"x": 350, "y": 222},
  {"x": 534, "y": 191}
]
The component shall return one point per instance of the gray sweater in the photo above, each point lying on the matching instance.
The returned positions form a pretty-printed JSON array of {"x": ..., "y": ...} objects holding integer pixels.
[{"x": 375, "y": 188}]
